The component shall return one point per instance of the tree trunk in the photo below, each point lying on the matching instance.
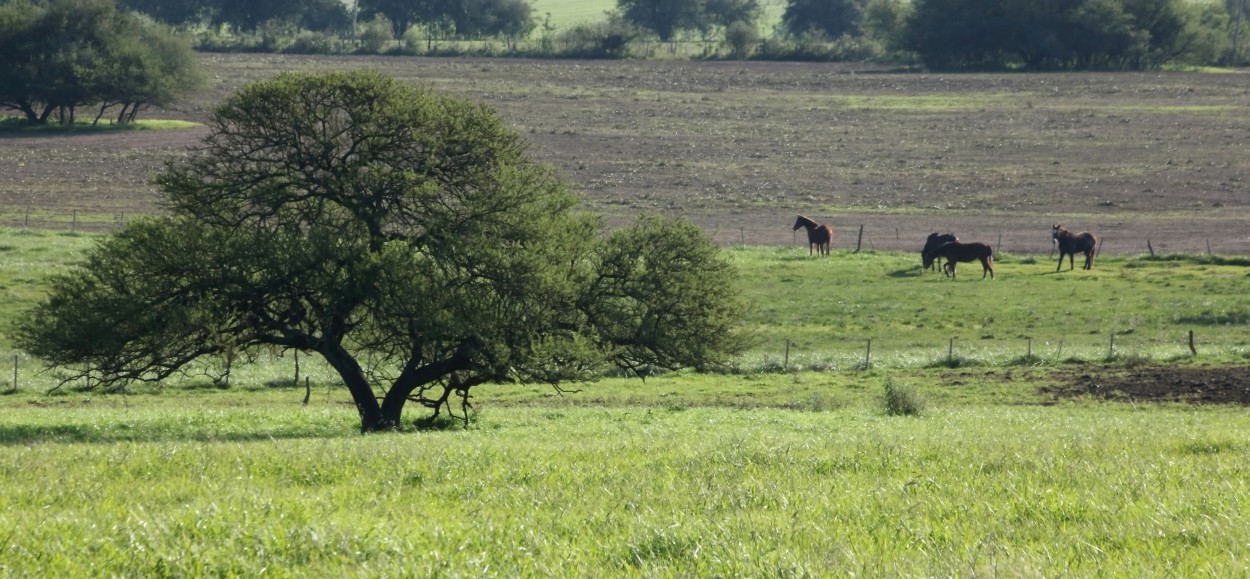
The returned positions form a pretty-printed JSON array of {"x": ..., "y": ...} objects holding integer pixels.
[
  {"x": 414, "y": 377},
  {"x": 371, "y": 419}
]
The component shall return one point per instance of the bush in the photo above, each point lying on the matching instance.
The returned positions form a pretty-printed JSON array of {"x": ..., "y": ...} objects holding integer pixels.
[
  {"x": 901, "y": 399},
  {"x": 375, "y": 34},
  {"x": 741, "y": 38},
  {"x": 609, "y": 39}
]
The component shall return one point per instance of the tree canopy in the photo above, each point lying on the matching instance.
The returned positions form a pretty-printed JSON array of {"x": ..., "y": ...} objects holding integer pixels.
[
  {"x": 68, "y": 54},
  {"x": 833, "y": 18},
  {"x": 666, "y": 17},
  {"x": 1049, "y": 34},
  {"x": 403, "y": 235}
]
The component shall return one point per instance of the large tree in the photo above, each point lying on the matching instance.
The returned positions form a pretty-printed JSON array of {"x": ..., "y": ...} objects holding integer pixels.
[{"x": 404, "y": 236}]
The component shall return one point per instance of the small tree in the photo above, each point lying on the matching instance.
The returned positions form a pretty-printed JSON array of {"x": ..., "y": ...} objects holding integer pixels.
[
  {"x": 403, "y": 236},
  {"x": 663, "y": 17},
  {"x": 68, "y": 54},
  {"x": 741, "y": 37},
  {"x": 832, "y": 18}
]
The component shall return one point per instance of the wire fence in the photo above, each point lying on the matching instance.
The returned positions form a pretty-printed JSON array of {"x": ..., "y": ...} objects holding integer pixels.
[{"x": 888, "y": 234}]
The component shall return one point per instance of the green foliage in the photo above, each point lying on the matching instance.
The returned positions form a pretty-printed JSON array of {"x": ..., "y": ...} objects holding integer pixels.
[
  {"x": 830, "y": 18},
  {"x": 404, "y": 236},
  {"x": 666, "y": 18},
  {"x": 68, "y": 54},
  {"x": 609, "y": 39},
  {"x": 900, "y": 399},
  {"x": 1101, "y": 34},
  {"x": 741, "y": 38}
]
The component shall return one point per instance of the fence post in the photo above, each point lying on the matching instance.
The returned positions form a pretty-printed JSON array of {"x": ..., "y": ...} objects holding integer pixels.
[
  {"x": 868, "y": 355},
  {"x": 860, "y": 240},
  {"x": 1111, "y": 348},
  {"x": 785, "y": 364},
  {"x": 950, "y": 350},
  {"x": 1192, "y": 349},
  {"x": 1150, "y": 248}
]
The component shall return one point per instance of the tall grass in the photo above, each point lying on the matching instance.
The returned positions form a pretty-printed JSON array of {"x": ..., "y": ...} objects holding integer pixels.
[
  {"x": 1103, "y": 490},
  {"x": 792, "y": 467}
]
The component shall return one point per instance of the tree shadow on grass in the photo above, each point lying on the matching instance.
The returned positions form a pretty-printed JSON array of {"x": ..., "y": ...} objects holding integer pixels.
[{"x": 25, "y": 434}]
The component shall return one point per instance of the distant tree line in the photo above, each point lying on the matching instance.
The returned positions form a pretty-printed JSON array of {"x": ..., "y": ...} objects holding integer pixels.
[
  {"x": 63, "y": 56},
  {"x": 940, "y": 34}
]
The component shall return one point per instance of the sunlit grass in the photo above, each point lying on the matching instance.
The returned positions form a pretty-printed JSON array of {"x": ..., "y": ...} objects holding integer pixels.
[
  {"x": 628, "y": 490},
  {"x": 19, "y": 124},
  {"x": 789, "y": 465}
]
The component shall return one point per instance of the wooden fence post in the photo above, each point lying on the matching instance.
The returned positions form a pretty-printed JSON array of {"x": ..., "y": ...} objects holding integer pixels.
[
  {"x": 1150, "y": 248},
  {"x": 868, "y": 355},
  {"x": 1192, "y": 349},
  {"x": 860, "y": 240},
  {"x": 785, "y": 364}
]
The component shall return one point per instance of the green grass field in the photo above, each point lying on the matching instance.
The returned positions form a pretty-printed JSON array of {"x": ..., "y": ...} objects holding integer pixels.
[
  {"x": 232, "y": 483},
  {"x": 568, "y": 13},
  {"x": 772, "y": 471}
]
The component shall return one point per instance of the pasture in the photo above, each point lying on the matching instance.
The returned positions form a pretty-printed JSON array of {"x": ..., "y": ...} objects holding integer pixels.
[
  {"x": 1067, "y": 428},
  {"x": 568, "y": 13}
]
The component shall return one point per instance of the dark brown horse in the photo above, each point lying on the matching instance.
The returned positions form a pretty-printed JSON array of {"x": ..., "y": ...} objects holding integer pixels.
[
  {"x": 818, "y": 236},
  {"x": 1071, "y": 244},
  {"x": 934, "y": 241},
  {"x": 956, "y": 252}
]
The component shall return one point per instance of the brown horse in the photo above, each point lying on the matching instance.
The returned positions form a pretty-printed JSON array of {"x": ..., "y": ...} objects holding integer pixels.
[
  {"x": 818, "y": 236},
  {"x": 934, "y": 241},
  {"x": 956, "y": 252},
  {"x": 1072, "y": 243}
]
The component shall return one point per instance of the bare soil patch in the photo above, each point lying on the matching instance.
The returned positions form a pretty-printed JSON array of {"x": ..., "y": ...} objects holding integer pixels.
[
  {"x": 741, "y": 148},
  {"x": 1215, "y": 385}
]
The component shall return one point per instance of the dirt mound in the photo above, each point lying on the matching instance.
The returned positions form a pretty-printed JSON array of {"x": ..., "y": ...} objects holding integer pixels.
[{"x": 1227, "y": 385}]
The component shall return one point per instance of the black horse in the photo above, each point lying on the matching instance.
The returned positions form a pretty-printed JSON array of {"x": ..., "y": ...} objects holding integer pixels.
[
  {"x": 956, "y": 252},
  {"x": 934, "y": 241},
  {"x": 1072, "y": 243}
]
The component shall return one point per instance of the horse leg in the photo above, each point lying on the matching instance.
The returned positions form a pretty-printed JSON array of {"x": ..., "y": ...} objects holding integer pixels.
[
  {"x": 1089, "y": 259},
  {"x": 950, "y": 268},
  {"x": 1060, "y": 266}
]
